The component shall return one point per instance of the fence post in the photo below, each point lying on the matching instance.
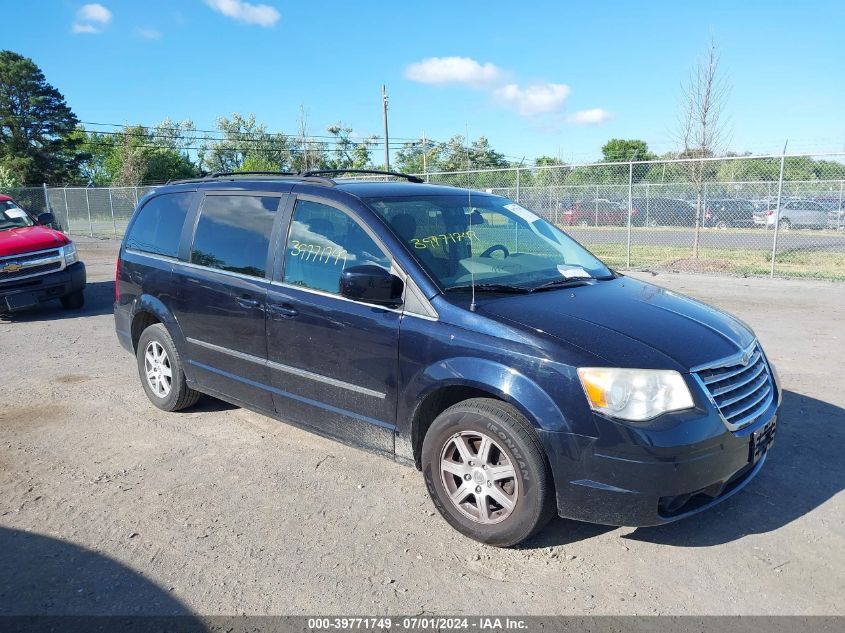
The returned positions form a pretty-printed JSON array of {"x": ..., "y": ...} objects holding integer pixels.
[
  {"x": 630, "y": 212},
  {"x": 46, "y": 200},
  {"x": 517, "y": 184},
  {"x": 88, "y": 205},
  {"x": 596, "y": 204},
  {"x": 135, "y": 189},
  {"x": 67, "y": 210},
  {"x": 839, "y": 212},
  {"x": 777, "y": 212},
  {"x": 111, "y": 206}
]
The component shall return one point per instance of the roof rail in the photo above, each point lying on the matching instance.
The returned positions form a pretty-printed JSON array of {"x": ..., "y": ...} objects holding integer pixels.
[
  {"x": 281, "y": 175},
  {"x": 327, "y": 172}
]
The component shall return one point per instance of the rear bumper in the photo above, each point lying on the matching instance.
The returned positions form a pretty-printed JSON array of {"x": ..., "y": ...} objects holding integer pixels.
[
  {"x": 638, "y": 485},
  {"x": 16, "y": 296}
]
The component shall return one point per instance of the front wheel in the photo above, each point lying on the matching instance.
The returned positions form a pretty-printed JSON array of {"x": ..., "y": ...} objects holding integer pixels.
[
  {"x": 784, "y": 225},
  {"x": 487, "y": 473}
]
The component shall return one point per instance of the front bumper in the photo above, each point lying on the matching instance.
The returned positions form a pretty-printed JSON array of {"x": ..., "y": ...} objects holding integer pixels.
[
  {"x": 638, "y": 478},
  {"x": 28, "y": 293}
]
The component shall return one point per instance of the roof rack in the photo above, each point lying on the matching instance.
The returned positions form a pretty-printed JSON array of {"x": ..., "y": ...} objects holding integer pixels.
[
  {"x": 377, "y": 172},
  {"x": 281, "y": 175}
]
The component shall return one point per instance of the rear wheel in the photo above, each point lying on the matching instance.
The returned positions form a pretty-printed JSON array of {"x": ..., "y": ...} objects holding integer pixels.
[
  {"x": 73, "y": 301},
  {"x": 721, "y": 224},
  {"x": 160, "y": 369},
  {"x": 487, "y": 473},
  {"x": 784, "y": 225}
]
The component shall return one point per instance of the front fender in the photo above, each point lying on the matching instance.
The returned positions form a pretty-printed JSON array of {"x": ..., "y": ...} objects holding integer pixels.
[{"x": 499, "y": 380}]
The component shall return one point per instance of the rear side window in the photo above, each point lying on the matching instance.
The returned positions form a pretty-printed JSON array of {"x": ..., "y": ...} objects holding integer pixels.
[
  {"x": 233, "y": 233},
  {"x": 158, "y": 225}
]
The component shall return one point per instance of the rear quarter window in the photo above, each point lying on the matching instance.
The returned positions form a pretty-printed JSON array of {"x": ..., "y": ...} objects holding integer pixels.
[{"x": 158, "y": 225}]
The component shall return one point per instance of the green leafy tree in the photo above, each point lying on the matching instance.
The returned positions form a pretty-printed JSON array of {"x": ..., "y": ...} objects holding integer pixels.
[
  {"x": 417, "y": 157},
  {"x": 36, "y": 125},
  {"x": 620, "y": 149},
  {"x": 243, "y": 138},
  {"x": 8, "y": 179},
  {"x": 347, "y": 153}
]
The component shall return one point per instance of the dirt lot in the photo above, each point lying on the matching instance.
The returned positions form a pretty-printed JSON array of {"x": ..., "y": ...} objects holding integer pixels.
[{"x": 108, "y": 505}]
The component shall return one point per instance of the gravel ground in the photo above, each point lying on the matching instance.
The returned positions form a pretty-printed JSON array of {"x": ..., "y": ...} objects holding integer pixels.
[{"x": 108, "y": 505}]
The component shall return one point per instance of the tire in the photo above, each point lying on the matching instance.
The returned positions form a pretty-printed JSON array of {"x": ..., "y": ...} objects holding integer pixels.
[
  {"x": 157, "y": 353},
  {"x": 584, "y": 223},
  {"x": 73, "y": 301},
  {"x": 785, "y": 224},
  {"x": 721, "y": 225},
  {"x": 522, "y": 475}
]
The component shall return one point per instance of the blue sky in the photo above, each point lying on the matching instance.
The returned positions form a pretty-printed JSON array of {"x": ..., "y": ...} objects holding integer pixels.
[{"x": 534, "y": 77}]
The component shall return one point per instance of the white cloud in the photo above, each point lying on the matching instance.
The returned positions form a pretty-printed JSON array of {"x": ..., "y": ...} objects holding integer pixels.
[
  {"x": 149, "y": 33},
  {"x": 261, "y": 14},
  {"x": 91, "y": 18},
  {"x": 456, "y": 70},
  {"x": 593, "y": 116},
  {"x": 84, "y": 28},
  {"x": 535, "y": 98}
]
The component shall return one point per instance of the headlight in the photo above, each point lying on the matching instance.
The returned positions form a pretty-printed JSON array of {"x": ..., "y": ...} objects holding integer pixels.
[
  {"x": 634, "y": 394},
  {"x": 69, "y": 251}
]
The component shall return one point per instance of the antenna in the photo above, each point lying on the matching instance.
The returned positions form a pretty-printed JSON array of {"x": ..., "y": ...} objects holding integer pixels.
[{"x": 469, "y": 232}]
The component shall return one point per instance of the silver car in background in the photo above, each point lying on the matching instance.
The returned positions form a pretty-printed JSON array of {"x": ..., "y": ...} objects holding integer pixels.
[{"x": 803, "y": 214}]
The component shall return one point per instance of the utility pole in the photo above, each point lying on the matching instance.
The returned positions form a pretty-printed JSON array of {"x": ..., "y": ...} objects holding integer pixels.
[
  {"x": 386, "y": 139},
  {"x": 425, "y": 162}
]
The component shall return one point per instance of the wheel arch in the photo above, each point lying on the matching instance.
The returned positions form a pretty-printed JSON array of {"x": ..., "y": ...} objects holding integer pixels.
[
  {"x": 149, "y": 310},
  {"x": 455, "y": 380}
]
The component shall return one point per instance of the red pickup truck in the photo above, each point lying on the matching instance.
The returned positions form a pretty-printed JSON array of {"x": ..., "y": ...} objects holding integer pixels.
[{"x": 37, "y": 263}]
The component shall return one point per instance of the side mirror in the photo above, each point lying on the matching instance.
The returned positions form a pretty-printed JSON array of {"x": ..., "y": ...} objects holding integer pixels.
[
  {"x": 371, "y": 284},
  {"x": 46, "y": 218}
]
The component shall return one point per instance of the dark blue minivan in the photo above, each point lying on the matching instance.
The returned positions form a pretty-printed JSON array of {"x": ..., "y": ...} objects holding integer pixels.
[{"x": 449, "y": 329}]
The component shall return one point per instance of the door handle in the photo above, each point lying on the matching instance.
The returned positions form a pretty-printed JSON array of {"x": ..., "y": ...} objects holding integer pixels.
[
  {"x": 285, "y": 312},
  {"x": 246, "y": 302}
]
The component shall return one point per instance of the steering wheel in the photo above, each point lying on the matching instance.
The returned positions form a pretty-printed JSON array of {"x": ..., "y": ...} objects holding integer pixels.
[{"x": 496, "y": 247}]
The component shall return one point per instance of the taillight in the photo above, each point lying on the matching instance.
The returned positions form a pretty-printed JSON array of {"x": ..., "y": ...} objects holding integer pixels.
[
  {"x": 116, "y": 280},
  {"x": 634, "y": 211},
  {"x": 770, "y": 212}
]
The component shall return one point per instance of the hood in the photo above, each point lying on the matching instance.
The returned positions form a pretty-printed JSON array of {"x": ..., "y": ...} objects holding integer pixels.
[
  {"x": 29, "y": 238},
  {"x": 628, "y": 323}
]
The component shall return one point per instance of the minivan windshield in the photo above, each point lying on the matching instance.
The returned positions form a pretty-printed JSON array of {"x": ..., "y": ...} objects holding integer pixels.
[
  {"x": 12, "y": 216},
  {"x": 486, "y": 239}
]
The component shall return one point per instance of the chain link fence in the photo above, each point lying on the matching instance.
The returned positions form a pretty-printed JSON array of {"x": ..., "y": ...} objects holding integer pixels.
[
  {"x": 766, "y": 215},
  {"x": 761, "y": 215}
]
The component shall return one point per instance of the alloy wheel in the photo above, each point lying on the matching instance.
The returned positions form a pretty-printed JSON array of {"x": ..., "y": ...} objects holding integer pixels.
[
  {"x": 157, "y": 369},
  {"x": 479, "y": 477}
]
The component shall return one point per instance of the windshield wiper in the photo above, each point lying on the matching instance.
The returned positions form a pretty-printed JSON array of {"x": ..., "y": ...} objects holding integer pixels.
[
  {"x": 491, "y": 287},
  {"x": 563, "y": 283}
]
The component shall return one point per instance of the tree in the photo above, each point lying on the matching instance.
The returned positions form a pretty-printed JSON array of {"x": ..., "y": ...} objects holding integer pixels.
[
  {"x": 8, "y": 179},
  {"x": 244, "y": 139},
  {"x": 703, "y": 130},
  {"x": 156, "y": 154},
  {"x": 349, "y": 154},
  {"x": 620, "y": 149},
  {"x": 36, "y": 125},
  {"x": 417, "y": 157}
]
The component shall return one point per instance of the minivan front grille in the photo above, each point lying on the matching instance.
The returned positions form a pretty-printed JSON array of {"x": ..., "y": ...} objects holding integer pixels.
[{"x": 741, "y": 388}]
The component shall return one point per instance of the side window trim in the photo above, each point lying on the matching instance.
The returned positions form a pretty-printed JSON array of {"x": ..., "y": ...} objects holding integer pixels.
[{"x": 190, "y": 227}]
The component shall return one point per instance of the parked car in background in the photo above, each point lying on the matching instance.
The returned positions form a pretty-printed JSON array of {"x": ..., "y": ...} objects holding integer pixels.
[
  {"x": 37, "y": 263},
  {"x": 597, "y": 212},
  {"x": 663, "y": 212},
  {"x": 804, "y": 214},
  {"x": 729, "y": 212}
]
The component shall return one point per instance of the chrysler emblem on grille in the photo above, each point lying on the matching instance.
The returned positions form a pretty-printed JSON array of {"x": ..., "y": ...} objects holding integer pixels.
[
  {"x": 745, "y": 358},
  {"x": 11, "y": 267}
]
